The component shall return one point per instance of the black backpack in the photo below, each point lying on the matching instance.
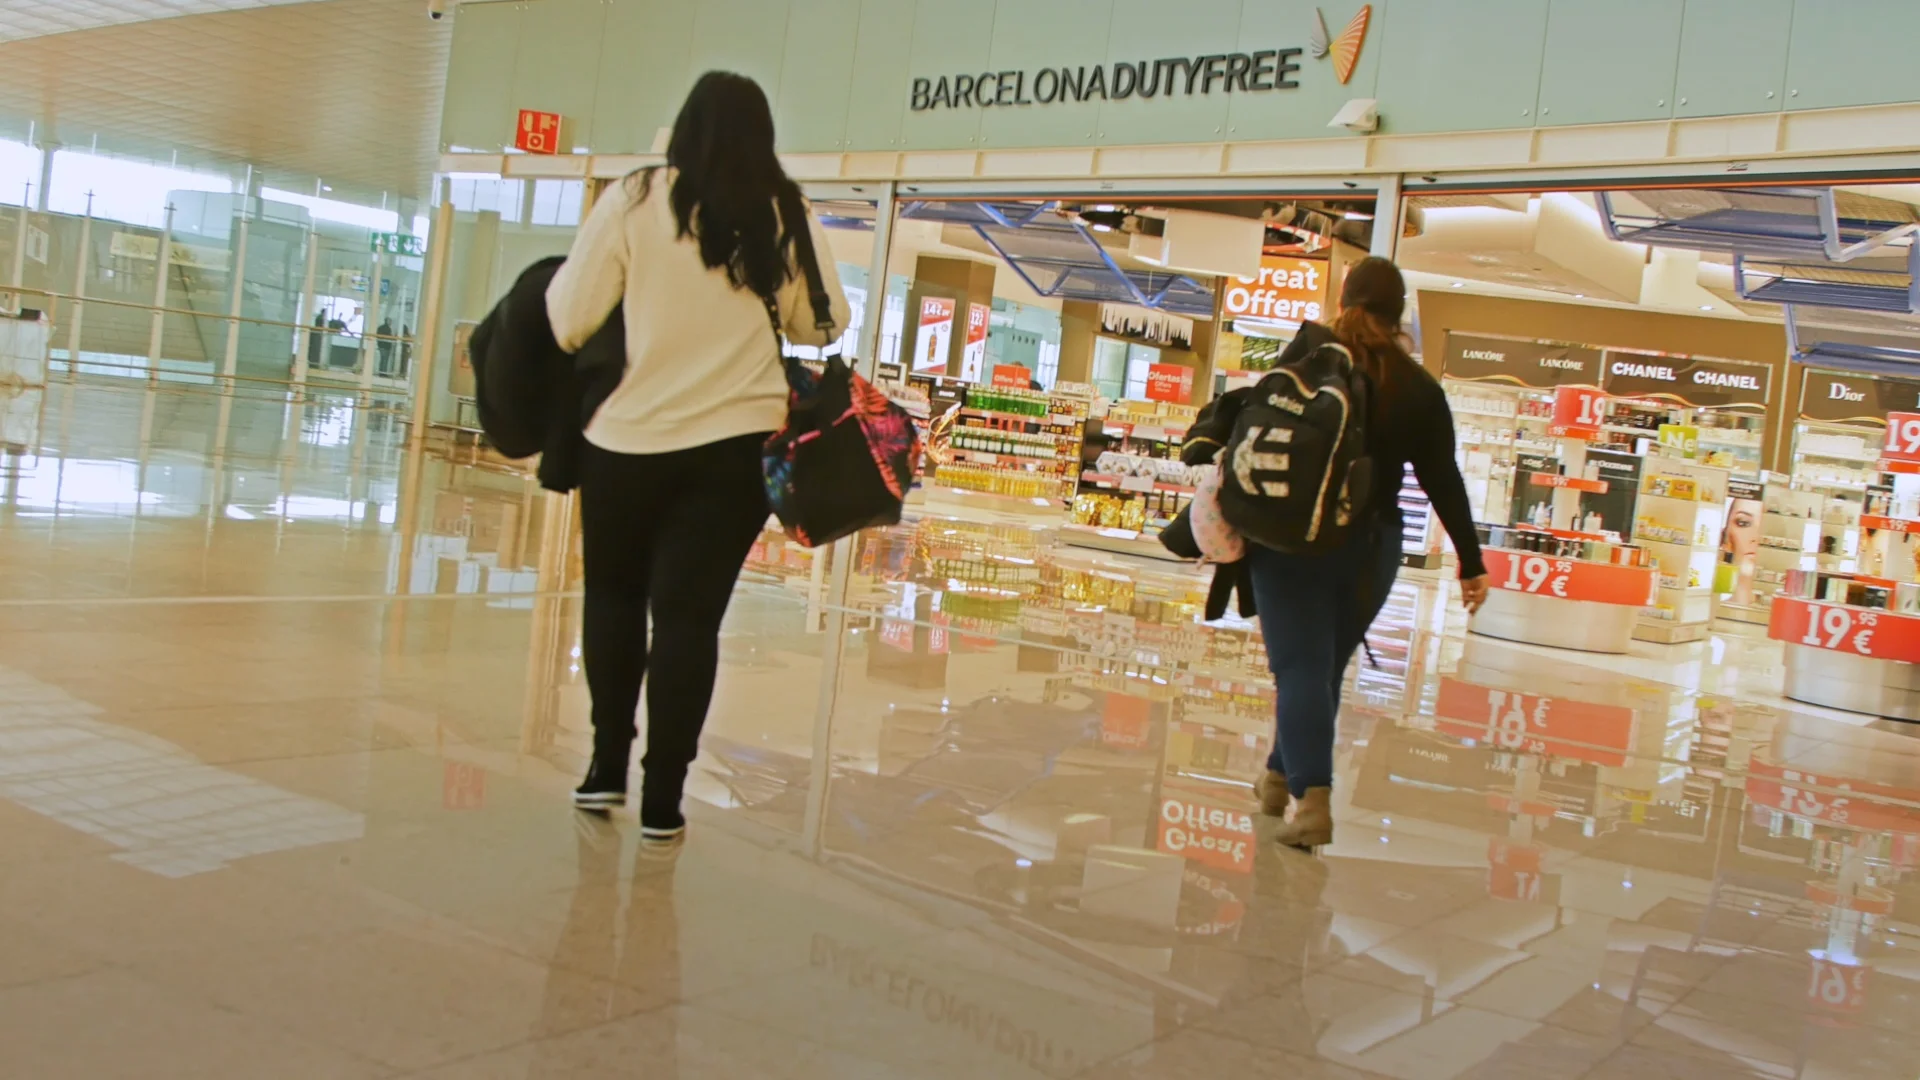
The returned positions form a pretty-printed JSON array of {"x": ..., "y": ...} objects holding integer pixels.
[{"x": 1295, "y": 474}]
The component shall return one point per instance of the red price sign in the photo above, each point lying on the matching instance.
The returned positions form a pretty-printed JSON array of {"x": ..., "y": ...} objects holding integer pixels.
[
  {"x": 1832, "y": 799},
  {"x": 1882, "y": 635},
  {"x": 1572, "y": 483},
  {"x": 537, "y": 132},
  {"x": 1569, "y": 579},
  {"x": 1903, "y": 437},
  {"x": 1889, "y": 524},
  {"x": 1578, "y": 412},
  {"x": 1531, "y": 723},
  {"x": 1837, "y": 986},
  {"x": 1170, "y": 382}
]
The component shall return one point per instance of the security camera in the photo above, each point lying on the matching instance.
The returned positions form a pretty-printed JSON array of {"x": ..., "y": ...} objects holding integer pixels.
[
  {"x": 437, "y": 9},
  {"x": 1360, "y": 114}
]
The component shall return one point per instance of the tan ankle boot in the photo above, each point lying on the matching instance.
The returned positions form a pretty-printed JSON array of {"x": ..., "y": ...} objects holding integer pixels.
[
  {"x": 1271, "y": 790},
  {"x": 1312, "y": 822}
]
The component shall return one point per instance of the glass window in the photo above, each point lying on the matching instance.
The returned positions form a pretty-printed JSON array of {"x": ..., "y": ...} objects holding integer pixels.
[
  {"x": 557, "y": 202},
  {"x": 19, "y": 167},
  {"x": 122, "y": 190},
  {"x": 1140, "y": 358}
]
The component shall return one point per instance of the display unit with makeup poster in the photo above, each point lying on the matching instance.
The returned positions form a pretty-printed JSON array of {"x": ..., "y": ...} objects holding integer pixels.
[{"x": 1736, "y": 578}]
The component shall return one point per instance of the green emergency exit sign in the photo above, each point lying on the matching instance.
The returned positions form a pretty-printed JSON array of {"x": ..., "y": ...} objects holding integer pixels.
[{"x": 398, "y": 243}]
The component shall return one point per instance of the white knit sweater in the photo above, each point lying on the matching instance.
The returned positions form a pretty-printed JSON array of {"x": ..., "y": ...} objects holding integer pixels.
[{"x": 702, "y": 364}]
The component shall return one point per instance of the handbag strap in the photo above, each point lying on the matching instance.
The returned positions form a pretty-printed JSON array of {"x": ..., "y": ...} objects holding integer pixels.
[{"x": 794, "y": 216}]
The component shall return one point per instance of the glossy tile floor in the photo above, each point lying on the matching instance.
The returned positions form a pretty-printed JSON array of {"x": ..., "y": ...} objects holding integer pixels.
[{"x": 288, "y": 718}]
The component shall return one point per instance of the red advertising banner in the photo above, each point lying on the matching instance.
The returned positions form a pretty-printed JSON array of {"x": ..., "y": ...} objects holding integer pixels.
[
  {"x": 1011, "y": 375},
  {"x": 1903, "y": 437},
  {"x": 1212, "y": 835},
  {"x": 1569, "y": 579},
  {"x": 973, "y": 353},
  {"x": 1287, "y": 290},
  {"x": 1533, "y": 723},
  {"x": 537, "y": 132},
  {"x": 1578, "y": 413},
  {"x": 1170, "y": 382},
  {"x": 1882, "y": 635}
]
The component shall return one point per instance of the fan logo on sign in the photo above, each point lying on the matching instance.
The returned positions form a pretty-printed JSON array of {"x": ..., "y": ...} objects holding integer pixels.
[{"x": 1344, "y": 49}]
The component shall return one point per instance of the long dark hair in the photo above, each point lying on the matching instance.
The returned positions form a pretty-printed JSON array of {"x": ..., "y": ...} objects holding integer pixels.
[
  {"x": 727, "y": 181},
  {"x": 1372, "y": 300}
]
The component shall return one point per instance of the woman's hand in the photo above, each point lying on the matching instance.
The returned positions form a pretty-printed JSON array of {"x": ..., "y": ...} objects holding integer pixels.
[{"x": 1473, "y": 592}]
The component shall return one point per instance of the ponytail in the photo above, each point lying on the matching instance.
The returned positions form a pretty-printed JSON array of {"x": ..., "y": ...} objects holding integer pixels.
[{"x": 1373, "y": 344}]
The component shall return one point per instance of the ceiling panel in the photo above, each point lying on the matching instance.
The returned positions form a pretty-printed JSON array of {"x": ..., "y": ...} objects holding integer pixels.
[
  {"x": 36, "y": 18},
  {"x": 345, "y": 91}
]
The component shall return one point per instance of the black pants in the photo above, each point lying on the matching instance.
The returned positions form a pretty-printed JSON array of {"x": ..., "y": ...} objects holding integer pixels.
[{"x": 665, "y": 535}]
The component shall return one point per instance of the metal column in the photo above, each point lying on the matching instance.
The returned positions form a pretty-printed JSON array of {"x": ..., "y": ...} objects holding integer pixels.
[
  {"x": 1388, "y": 212},
  {"x": 158, "y": 328},
  {"x": 83, "y": 259},
  {"x": 231, "y": 362},
  {"x": 820, "y": 770},
  {"x": 303, "y": 339},
  {"x": 426, "y": 345}
]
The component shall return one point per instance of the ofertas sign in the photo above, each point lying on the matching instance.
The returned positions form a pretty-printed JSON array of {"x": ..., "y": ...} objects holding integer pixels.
[
  {"x": 537, "y": 132},
  {"x": 1569, "y": 579},
  {"x": 1170, "y": 382},
  {"x": 1287, "y": 290},
  {"x": 1881, "y": 635},
  {"x": 1011, "y": 376}
]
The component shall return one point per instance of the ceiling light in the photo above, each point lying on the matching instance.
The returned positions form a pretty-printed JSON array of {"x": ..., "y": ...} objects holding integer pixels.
[
  {"x": 1579, "y": 296},
  {"x": 1706, "y": 307},
  {"x": 1459, "y": 284},
  {"x": 1357, "y": 215},
  {"x": 1105, "y": 208}
]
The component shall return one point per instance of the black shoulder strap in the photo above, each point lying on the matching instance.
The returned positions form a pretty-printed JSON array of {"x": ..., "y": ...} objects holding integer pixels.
[{"x": 794, "y": 218}]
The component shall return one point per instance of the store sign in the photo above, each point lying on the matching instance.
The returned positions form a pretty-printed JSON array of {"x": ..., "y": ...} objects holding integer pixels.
[
  {"x": 1286, "y": 290},
  {"x": 1522, "y": 363},
  {"x": 1181, "y": 76},
  {"x": 537, "y": 132},
  {"x": 1841, "y": 398},
  {"x": 935, "y": 338},
  {"x": 1880, "y": 635},
  {"x": 1578, "y": 412},
  {"x": 1535, "y": 723},
  {"x": 1170, "y": 382},
  {"x": 1694, "y": 380},
  {"x": 1832, "y": 800},
  {"x": 1569, "y": 579},
  {"x": 1837, "y": 986}
]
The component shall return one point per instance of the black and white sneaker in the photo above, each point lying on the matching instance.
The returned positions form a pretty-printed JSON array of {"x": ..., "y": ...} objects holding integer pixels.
[
  {"x": 661, "y": 821},
  {"x": 603, "y": 789}
]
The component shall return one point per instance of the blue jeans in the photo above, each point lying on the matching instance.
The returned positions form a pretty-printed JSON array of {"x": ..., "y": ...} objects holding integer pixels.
[{"x": 1314, "y": 612}]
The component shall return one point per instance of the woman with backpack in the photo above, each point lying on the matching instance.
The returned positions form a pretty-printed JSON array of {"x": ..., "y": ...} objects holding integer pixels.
[
  {"x": 672, "y": 496},
  {"x": 1315, "y": 609}
]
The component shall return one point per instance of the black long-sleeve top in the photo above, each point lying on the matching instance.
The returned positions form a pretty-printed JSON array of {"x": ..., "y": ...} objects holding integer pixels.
[{"x": 1412, "y": 424}]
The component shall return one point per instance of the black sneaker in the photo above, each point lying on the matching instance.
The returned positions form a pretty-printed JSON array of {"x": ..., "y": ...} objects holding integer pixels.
[
  {"x": 660, "y": 819},
  {"x": 605, "y": 787}
]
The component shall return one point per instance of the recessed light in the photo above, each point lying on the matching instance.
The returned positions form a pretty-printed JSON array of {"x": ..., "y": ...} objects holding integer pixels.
[
  {"x": 1459, "y": 284},
  {"x": 1706, "y": 307},
  {"x": 1579, "y": 296}
]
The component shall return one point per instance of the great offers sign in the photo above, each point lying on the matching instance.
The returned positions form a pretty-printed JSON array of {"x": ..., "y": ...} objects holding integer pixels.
[{"x": 1224, "y": 73}]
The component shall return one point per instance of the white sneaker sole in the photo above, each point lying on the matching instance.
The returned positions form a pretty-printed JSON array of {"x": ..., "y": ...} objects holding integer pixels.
[
  {"x": 661, "y": 836},
  {"x": 599, "y": 800}
]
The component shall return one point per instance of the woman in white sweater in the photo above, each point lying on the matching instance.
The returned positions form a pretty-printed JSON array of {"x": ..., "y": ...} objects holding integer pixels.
[{"x": 671, "y": 489}]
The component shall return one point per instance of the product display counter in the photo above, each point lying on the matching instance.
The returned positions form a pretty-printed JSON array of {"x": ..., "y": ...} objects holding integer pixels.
[
  {"x": 1857, "y": 650},
  {"x": 1564, "y": 590}
]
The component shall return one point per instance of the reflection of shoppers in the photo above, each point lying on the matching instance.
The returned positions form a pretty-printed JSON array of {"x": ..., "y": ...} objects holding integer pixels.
[
  {"x": 384, "y": 345},
  {"x": 1315, "y": 609},
  {"x": 671, "y": 489},
  {"x": 317, "y": 339}
]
